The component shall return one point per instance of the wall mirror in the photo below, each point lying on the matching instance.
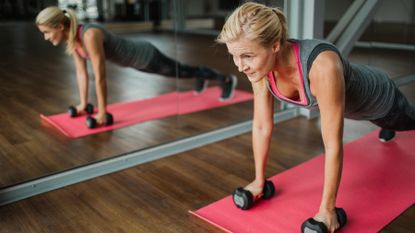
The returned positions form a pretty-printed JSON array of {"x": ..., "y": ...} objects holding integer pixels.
[{"x": 39, "y": 78}]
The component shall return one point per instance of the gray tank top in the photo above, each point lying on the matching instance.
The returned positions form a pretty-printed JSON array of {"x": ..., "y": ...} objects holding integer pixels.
[
  {"x": 369, "y": 91},
  {"x": 132, "y": 53}
]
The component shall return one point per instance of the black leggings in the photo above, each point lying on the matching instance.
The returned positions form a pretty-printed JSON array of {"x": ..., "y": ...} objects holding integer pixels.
[
  {"x": 401, "y": 117},
  {"x": 161, "y": 64}
]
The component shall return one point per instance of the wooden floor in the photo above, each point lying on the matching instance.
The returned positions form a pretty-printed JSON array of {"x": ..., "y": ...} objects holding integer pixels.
[
  {"x": 156, "y": 197},
  {"x": 152, "y": 197}
]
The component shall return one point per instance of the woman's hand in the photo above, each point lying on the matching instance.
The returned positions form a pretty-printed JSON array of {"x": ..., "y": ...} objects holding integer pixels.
[
  {"x": 256, "y": 188},
  {"x": 101, "y": 118},
  {"x": 80, "y": 109},
  {"x": 329, "y": 218}
]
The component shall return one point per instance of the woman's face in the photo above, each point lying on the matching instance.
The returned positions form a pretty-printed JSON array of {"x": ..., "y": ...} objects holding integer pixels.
[
  {"x": 53, "y": 35},
  {"x": 255, "y": 60}
]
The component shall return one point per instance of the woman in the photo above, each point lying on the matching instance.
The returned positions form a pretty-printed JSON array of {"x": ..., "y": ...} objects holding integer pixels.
[
  {"x": 311, "y": 74},
  {"x": 93, "y": 42}
]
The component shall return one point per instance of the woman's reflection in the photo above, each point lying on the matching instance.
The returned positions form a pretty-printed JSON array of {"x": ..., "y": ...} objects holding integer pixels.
[{"x": 93, "y": 42}]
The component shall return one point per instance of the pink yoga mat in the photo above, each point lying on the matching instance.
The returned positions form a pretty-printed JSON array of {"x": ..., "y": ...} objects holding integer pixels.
[
  {"x": 134, "y": 112},
  {"x": 378, "y": 184}
]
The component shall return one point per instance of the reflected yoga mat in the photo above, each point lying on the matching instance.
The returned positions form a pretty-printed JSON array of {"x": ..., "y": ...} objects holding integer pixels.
[
  {"x": 129, "y": 113},
  {"x": 377, "y": 185}
]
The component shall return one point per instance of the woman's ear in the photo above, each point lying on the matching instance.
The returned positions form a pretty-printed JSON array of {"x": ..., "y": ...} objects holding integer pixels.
[
  {"x": 276, "y": 46},
  {"x": 61, "y": 27}
]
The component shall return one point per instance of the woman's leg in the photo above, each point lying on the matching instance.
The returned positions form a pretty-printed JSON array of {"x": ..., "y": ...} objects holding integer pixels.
[
  {"x": 166, "y": 66},
  {"x": 400, "y": 118}
]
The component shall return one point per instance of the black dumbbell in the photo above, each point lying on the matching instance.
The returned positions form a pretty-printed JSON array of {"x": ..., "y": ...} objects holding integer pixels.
[
  {"x": 244, "y": 199},
  {"x": 89, "y": 108},
  {"x": 313, "y": 226},
  {"x": 92, "y": 123}
]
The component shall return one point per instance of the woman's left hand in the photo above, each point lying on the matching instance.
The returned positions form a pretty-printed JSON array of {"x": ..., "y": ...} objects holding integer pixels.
[
  {"x": 101, "y": 118},
  {"x": 329, "y": 218}
]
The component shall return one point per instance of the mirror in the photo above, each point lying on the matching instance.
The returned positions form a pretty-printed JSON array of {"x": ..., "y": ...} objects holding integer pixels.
[{"x": 39, "y": 78}]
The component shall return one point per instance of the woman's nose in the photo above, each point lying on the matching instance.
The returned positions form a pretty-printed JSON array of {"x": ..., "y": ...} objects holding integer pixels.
[{"x": 240, "y": 65}]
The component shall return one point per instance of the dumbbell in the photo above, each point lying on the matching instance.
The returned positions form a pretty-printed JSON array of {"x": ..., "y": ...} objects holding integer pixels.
[
  {"x": 89, "y": 108},
  {"x": 92, "y": 123},
  {"x": 244, "y": 199},
  {"x": 313, "y": 226}
]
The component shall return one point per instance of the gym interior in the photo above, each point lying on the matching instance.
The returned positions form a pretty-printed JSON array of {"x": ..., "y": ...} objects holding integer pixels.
[{"x": 147, "y": 176}]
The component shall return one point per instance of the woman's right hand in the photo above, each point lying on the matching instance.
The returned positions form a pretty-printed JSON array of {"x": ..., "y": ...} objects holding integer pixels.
[
  {"x": 80, "y": 109},
  {"x": 256, "y": 188},
  {"x": 329, "y": 218},
  {"x": 101, "y": 118}
]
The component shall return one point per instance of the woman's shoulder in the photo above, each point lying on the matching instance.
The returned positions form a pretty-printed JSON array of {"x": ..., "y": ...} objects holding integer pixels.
[
  {"x": 92, "y": 25},
  {"x": 92, "y": 30},
  {"x": 316, "y": 49},
  {"x": 310, "y": 44},
  {"x": 86, "y": 26}
]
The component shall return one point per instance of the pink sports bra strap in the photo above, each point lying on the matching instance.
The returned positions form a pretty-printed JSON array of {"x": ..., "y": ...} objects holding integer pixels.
[
  {"x": 274, "y": 89},
  {"x": 79, "y": 37}
]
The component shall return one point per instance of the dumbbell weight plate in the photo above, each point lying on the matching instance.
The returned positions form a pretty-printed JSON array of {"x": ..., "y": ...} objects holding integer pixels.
[
  {"x": 313, "y": 226},
  {"x": 269, "y": 190},
  {"x": 72, "y": 111},
  {"x": 91, "y": 122},
  {"x": 110, "y": 119},
  {"x": 89, "y": 108},
  {"x": 242, "y": 198},
  {"x": 341, "y": 216}
]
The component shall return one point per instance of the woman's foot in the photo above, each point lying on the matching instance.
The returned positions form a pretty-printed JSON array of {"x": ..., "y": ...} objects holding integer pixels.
[
  {"x": 228, "y": 87},
  {"x": 200, "y": 85},
  {"x": 386, "y": 135}
]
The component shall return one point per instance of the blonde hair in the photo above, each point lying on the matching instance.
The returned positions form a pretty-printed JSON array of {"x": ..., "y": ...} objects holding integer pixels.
[
  {"x": 256, "y": 22},
  {"x": 53, "y": 16}
]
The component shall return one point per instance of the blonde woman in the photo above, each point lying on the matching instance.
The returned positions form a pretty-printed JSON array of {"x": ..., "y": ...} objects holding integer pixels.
[
  {"x": 92, "y": 42},
  {"x": 310, "y": 74}
]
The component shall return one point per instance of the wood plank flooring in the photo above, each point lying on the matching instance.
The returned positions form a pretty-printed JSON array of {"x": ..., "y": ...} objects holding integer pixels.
[{"x": 156, "y": 196}]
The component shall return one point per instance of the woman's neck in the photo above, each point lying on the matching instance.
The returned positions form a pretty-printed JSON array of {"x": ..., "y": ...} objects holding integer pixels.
[
  {"x": 285, "y": 61},
  {"x": 66, "y": 34}
]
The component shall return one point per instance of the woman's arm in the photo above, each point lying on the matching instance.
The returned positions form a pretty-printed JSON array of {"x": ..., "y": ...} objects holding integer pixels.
[
  {"x": 82, "y": 78},
  {"x": 262, "y": 128},
  {"x": 327, "y": 84},
  {"x": 94, "y": 44}
]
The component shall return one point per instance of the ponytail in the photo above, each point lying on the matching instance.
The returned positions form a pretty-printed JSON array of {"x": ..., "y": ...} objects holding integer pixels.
[
  {"x": 283, "y": 22},
  {"x": 73, "y": 28}
]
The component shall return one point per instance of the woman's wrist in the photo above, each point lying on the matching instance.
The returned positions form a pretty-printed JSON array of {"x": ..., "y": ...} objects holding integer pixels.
[{"x": 328, "y": 205}]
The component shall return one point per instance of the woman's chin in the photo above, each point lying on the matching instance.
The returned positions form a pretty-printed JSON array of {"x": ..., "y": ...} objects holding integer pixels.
[{"x": 254, "y": 79}]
